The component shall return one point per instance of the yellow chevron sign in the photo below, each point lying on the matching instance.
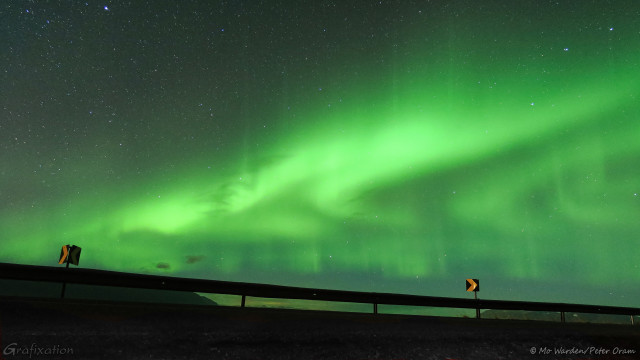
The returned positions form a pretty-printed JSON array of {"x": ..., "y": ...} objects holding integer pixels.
[
  {"x": 70, "y": 254},
  {"x": 473, "y": 285},
  {"x": 63, "y": 254}
]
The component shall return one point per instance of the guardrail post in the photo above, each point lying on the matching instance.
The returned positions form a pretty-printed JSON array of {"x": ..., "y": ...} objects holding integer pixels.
[
  {"x": 631, "y": 319},
  {"x": 375, "y": 308},
  {"x": 243, "y": 300}
]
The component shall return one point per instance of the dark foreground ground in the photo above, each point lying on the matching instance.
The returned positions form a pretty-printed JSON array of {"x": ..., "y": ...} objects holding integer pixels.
[{"x": 53, "y": 329}]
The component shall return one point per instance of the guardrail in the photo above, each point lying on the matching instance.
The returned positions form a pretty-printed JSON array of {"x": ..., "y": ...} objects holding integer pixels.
[{"x": 121, "y": 279}]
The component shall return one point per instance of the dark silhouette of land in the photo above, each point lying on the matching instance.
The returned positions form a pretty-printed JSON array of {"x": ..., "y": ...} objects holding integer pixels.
[
  {"x": 52, "y": 290},
  {"x": 133, "y": 330},
  {"x": 554, "y": 316}
]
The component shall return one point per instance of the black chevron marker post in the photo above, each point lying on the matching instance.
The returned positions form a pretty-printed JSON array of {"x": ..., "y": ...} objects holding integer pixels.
[{"x": 69, "y": 254}]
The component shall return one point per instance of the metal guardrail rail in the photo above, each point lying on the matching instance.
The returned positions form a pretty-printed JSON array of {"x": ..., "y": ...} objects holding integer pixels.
[{"x": 131, "y": 280}]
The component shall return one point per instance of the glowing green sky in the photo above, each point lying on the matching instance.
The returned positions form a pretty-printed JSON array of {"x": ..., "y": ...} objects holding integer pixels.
[{"x": 384, "y": 147}]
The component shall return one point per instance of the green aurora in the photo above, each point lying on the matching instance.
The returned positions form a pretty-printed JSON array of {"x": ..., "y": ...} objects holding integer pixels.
[{"x": 458, "y": 145}]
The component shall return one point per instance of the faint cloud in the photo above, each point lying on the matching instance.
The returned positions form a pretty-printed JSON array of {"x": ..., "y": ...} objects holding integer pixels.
[
  {"x": 163, "y": 266},
  {"x": 192, "y": 259}
]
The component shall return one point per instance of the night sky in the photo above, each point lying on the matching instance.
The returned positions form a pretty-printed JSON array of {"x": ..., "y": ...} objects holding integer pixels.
[{"x": 392, "y": 146}]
